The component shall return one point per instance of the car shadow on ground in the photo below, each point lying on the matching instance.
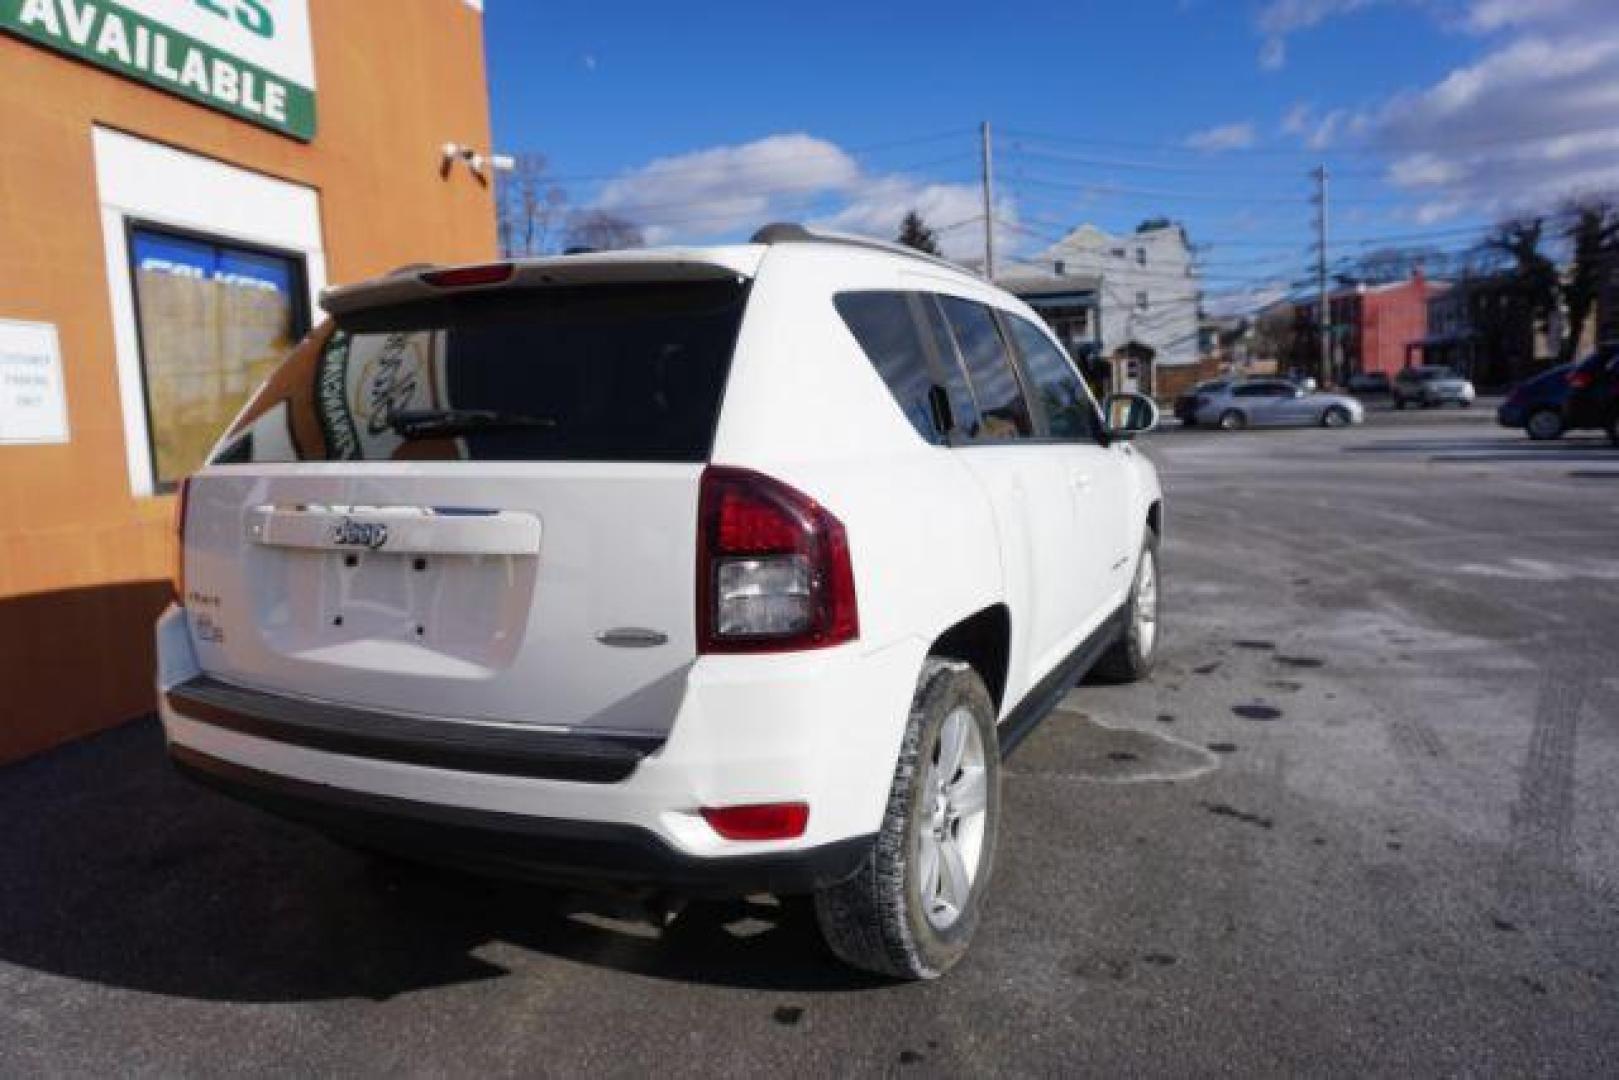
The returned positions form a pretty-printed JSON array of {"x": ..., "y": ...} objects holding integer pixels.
[
  {"x": 1448, "y": 449},
  {"x": 115, "y": 870}
]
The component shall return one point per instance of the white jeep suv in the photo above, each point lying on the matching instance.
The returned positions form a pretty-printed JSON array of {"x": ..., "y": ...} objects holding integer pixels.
[{"x": 696, "y": 571}]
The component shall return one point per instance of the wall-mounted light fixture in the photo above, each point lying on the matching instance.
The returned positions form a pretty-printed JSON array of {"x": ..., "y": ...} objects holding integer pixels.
[{"x": 451, "y": 152}]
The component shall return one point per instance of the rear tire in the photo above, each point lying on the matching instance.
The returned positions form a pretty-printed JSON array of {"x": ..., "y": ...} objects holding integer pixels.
[
  {"x": 911, "y": 908},
  {"x": 1544, "y": 425},
  {"x": 1132, "y": 657},
  {"x": 1336, "y": 416},
  {"x": 1399, "y": 403},
  {"x": 1233, "y": 420},
  {"x": 1613, "y": 431}
]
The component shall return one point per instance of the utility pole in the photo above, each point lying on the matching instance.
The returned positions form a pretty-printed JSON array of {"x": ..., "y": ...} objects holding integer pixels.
[
  {"x": 1324, "y": 314},
  {"x": 989, "y": 204}
]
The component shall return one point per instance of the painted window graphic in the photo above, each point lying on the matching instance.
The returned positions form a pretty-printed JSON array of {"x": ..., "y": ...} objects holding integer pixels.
[{"x": 214, "y": 319}]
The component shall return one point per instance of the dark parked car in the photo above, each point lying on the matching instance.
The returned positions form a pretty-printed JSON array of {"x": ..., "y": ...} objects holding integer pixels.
[
  {"x": 1536, "y": 405},
  {"x": 1593, "y": 393}
]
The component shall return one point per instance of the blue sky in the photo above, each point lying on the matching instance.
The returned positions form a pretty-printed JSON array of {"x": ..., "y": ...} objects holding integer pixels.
[{"x": 1434, "y": 115}]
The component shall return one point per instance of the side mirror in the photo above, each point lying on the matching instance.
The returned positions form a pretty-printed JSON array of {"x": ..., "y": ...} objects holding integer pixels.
[{"x": 1129, "y": 415}]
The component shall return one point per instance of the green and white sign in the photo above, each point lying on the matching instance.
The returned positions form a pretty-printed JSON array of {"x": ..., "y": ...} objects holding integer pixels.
[{"x": 249, "y": 58}]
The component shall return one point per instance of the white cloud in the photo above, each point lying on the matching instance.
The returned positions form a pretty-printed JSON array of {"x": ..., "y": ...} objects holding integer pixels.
[
  {"x": 1223, "y": 137},
  {"x": 725, "y": 189},
  {"x": 1322, "y": 130},
  {"x": 1485, "y": 16},
  {"x": 728, "y": 191},
  {"x": 1278, "y": 19},
  {"x": 1532, "y": 120},
  {"x": 954, "y": 211}
]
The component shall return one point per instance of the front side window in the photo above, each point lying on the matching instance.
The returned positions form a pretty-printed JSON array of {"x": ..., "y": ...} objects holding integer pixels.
[
  {"x": 1070, "y": 412},
  {"x": 881, "y": 322},
  {"x": 572, "y": 373},
  {"x": 1004, "y": 412},
  {"x": 213, "y": 318}
]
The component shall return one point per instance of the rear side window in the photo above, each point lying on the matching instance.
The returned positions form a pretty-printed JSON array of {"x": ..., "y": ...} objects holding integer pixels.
[
  {"x": 578, "y": 373},
  {"x": 963, "y": 408},
  {"x": 1070, "y": 412},
  {"x": 881, "y": 322},
  {"x": 1004, "y": 414}
]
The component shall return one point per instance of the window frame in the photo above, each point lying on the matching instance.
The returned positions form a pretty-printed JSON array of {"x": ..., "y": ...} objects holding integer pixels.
[{"x": 301, "y": 312}]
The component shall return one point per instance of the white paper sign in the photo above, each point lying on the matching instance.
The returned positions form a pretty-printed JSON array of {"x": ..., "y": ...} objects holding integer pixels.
[{"x": 33, "y": 404}]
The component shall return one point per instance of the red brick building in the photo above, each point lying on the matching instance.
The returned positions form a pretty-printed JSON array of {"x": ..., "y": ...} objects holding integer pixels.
[{"x": 1371, "y": 324}]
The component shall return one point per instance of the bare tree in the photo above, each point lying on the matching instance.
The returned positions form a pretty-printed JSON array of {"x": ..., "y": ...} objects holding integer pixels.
[
  {"x": 602, "y": 230},
  {"x": 530, "y": 209},
  {"x": 1533, "y": 275},
  {"x": 1593, "y": 233}
]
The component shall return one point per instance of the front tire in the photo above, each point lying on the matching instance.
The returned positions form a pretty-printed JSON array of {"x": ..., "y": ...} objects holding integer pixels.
[
  {"x": 1399, "y": 403},
  {"x": 1544, "y": 425},
  {"x": 1613, "y": 431},
  {"x": 1233, "y": 420},
  {"x": 1336, "y": 416},
  {"x": 1132, "y": 657},
  {"x": 911, "y": 908}
]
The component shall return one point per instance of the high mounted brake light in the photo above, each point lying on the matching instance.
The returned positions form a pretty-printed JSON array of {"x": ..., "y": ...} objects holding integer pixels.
[
  {"x": 773, "y": 568},
  {"x": 461, "y": 277}
]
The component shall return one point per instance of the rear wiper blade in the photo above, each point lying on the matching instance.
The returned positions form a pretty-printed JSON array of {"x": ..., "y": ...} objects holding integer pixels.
[{"x": 445, "y": 423}]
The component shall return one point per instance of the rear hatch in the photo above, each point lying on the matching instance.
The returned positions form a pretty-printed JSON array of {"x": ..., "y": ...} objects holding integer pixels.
[{"x": 475, "y": 499}]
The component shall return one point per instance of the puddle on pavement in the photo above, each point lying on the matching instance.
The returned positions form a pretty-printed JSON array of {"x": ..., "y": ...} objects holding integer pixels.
[{"x": 1075, "y": 746}]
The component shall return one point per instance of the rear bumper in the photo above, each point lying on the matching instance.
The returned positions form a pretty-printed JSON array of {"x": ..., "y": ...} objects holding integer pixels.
[
  {"x": 822, "y": 728},
  {"x": 517, "y": 845}
]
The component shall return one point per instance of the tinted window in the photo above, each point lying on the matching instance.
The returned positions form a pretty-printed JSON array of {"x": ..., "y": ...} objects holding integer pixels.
[
  {"x": 1260, "y": 390},
  {"x": 581, "y": 373},
  {"x": 1070, "y": 413},
  {"x": 1004, "y": 412},
  {"x": 963, "y": 408},
  {"x": 881, "y": 322}
]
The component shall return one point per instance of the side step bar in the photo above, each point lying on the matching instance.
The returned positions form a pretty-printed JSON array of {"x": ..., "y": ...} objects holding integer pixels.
[{"x": 468, "y": 746}]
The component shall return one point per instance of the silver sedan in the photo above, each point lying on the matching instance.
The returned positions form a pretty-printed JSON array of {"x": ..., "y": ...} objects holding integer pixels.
[{"x": 1274, "y": 403}]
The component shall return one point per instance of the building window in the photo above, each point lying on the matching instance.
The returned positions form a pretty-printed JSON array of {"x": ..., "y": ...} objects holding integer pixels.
[
  {"x": 1141, "y": 256},
  {"x": 213, "y": 317},
  {"x": 1141, "y": 300}
]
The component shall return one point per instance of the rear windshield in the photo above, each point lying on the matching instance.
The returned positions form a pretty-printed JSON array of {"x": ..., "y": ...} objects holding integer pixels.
[{"x": 580, "y": 373}]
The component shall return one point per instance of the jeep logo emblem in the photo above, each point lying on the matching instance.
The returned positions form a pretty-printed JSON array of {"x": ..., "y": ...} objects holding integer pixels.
[{"x": 351, "y": 533}]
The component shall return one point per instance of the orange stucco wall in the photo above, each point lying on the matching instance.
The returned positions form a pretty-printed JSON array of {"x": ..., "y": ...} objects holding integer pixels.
[{"x": 84, "y": 565}]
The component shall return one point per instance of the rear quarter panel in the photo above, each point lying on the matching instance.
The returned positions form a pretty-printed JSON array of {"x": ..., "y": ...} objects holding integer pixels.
[{"x": 805, "y": 405}]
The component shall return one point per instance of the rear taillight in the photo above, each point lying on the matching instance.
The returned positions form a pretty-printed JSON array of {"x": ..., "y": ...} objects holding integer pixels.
[
  {"x": 461, "y": 277},
  {"x": 1580, "y": 380},
  {"x": 182, "y": 501},
  {"x": 762, "y": 821},
  {"x": 773, "y": 568}
]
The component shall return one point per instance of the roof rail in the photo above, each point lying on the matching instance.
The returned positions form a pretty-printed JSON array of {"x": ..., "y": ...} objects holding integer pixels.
[{"x": 791, "y": 232}]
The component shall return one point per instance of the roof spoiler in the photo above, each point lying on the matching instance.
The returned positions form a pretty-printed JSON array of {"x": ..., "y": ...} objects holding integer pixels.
[{"x": 427, "y": 281}]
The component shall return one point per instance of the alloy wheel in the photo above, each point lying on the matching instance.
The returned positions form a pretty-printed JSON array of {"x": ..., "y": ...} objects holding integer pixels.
[{"x": 954, "y": 805}]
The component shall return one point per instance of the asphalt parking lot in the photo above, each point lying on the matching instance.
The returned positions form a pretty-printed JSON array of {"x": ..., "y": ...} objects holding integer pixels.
[{"x": 1363, "y": 820}]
